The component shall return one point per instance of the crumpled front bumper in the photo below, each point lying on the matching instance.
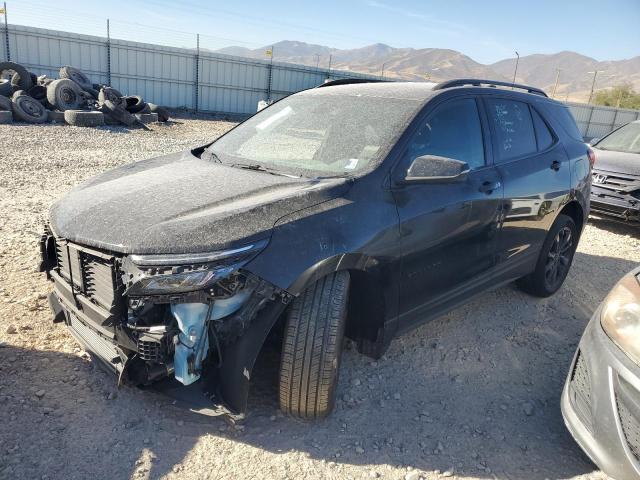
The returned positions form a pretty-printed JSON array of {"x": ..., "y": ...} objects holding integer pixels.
[
  {"x": 220, "y": 391},
  {"x": 616, "y": 195},
  {"x": 601, "y": 403}
]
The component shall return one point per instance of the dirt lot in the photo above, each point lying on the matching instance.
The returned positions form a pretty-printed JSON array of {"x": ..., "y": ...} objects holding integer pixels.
[{"x": 473, "y": 395}]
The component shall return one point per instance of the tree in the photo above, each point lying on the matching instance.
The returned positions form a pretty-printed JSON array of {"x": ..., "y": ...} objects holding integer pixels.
[{"x": 621, "y": 96}]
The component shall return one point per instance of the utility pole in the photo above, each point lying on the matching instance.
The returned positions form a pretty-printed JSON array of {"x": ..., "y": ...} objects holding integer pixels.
[
  {"x": 317, "y": 55},
  {"x": 382, "y": 72},
  {"x": 555, "y": 85},
  {"x": 593, "y": 83},
  {"x": 6, "y": 32},
  {"x": 515, "y": 71}
]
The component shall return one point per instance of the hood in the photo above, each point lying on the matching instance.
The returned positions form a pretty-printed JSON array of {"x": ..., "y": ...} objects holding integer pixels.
[
  {"x": 618, "y": 162},
  {"x": 179, "y": 203}
]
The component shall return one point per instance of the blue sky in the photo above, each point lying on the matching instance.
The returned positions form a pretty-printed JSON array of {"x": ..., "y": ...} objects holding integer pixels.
[{"x": 487, "y": 30}]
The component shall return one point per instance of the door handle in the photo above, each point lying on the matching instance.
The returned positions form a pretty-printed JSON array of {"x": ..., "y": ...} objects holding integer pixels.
[
  {"x": 555, "y": 165},
  {"x": 488, "y": 187}
]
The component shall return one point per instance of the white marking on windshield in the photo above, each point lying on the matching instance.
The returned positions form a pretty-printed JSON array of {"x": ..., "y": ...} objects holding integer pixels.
[
  {"x": 353, "y": 163},
  {"x": 274, "y": 118}
]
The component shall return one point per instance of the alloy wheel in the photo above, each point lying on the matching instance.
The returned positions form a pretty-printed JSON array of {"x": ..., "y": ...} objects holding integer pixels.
[{"x": 559, "y": 257}]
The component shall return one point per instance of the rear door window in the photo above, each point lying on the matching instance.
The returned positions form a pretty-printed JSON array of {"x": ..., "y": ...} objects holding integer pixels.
[
  {"x": 543, "y": 135},
  {"x": 513, "y": 127}
]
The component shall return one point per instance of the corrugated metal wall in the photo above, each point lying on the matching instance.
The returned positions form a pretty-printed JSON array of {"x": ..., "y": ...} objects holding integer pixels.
[
  {"x": 164, "y": 75},
  {"x": 596, "y": 121},
  {"x": 167, "y": 75}
]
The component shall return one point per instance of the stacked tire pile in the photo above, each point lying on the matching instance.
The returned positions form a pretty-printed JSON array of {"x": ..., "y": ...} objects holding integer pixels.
[{"x": 71, "y": 99}]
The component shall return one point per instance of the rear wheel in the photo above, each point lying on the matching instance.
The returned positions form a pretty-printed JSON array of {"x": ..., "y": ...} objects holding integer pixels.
[
  {"x": 312, "y": 348},
  {"x": 554, "y": 261}
]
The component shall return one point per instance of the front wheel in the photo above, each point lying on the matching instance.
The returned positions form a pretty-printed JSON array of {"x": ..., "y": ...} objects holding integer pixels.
[
  {"x": 554, "y": 261},
  {"x": 312, "y": 348}
]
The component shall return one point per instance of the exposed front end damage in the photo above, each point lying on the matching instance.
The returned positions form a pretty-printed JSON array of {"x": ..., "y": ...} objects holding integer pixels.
[{"x": 190, "y": 326}]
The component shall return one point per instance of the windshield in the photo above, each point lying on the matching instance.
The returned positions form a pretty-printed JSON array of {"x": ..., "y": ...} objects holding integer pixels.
[
  {"x": 317, "y": 134},
  {"x": 625, "y": 139}
]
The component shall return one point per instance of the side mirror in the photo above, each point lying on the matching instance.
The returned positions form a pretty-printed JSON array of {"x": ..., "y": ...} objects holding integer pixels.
[{"x": 434, "y": 169}]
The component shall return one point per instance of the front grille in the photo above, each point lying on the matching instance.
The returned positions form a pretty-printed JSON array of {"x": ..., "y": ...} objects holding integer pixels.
[
  {"x": 92, "y": 273},
  {"x": 92, "y": 340},
  {"x": 99, "y": 282},
  {"x": 580, "y": 390},
  {"x": 149, "y": 350},
  {"x": 630, "y": 427},
  {"x": 620, "y": 183}
]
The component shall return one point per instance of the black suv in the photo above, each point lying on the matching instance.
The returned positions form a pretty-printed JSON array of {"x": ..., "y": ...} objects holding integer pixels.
[{"x": 357, "y": 210}]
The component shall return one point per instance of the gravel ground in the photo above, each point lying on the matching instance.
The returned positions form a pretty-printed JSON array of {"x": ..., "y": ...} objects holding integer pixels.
[{"x": 474, "y": 394}]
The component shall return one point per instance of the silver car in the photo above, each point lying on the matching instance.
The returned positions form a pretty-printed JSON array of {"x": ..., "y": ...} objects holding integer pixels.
[{"x": 601, "y": 397}]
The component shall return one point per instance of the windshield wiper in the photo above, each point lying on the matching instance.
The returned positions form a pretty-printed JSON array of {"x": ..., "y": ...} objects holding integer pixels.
[
  {"x": 261, "y": 168},
  {"x": 210, "y": 156}
]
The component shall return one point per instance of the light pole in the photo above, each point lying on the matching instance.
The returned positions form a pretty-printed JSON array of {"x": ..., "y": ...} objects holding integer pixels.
[
  {"x": 317, "y": 55},
  {"x": 555, "y": 85},
  {"x": 593, "y": 83},
  {"x": 515, "y": 70}
]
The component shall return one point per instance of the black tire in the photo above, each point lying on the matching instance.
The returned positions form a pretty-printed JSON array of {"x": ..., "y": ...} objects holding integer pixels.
[
  {"x": 134, "y": 103},
  {"x": 6, "y": 117},
  {"x": 39, "y": 92},
  {"x": 146, "y": 110},
  {"x": 77, "y": 76},
  {"x": 5, "y": 104},
  {"x": 17, "y": 93},
  {"x": 312, "y": 347},
  {"x": 6, "y": 89},
  {"x": 15, "y": 79},
  {"x": 146, "y": 118},
  {"x": 554, "y": 261},
  {"x": 65, "y": 94},
  {"x": 111, "y": 94},
  {"x": 23, "y": 78},
  {"x": 29, "y": 110},
  {"x": 117, "y": 112},
  {"x": 55, "y": 116},
  {"x": 82, "y": 118},
  {"x": 92, "y": 92},
  {"x": 163, "y": 113}
]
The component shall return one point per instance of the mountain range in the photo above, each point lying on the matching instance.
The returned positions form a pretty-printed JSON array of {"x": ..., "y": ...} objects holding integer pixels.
[{"x": 437, "y": 64}]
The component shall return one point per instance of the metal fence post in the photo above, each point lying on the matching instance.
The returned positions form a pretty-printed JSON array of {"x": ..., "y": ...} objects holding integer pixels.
[
  {"x": 108, "y": 45},
  {"x": 586, "y": 133},
  {"x": 270, "y": 76},
  {"x": 6, "y": 33},
  {"x": 196, "y": 82},
  {"x": 615, "y": 117}
]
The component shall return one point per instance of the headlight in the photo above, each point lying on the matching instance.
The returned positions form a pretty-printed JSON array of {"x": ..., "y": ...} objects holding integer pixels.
[
  {"x": 167, "y": 274},
  {"x": 178, "y": 282},
  {"x": 621, "y": 316}
]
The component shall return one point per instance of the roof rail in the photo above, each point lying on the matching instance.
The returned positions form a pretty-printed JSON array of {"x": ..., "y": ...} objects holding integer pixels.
[
  {"x": 476, "y": 82},
  {"x": 348, "y": 81}
]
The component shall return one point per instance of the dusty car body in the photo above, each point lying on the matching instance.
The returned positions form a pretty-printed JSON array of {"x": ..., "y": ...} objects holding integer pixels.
[
  {"x": 601, "y": 397},
  {"x": 174, "y": 270},
  {"x": 615, "y": 188}
]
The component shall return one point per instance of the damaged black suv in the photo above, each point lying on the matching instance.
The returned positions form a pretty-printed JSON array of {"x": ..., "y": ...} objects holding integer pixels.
[{"x": 354, "y": 209}]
